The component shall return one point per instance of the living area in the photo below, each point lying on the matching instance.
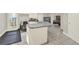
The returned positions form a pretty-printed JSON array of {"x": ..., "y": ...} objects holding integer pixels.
[{"x": 34, "y": 29}]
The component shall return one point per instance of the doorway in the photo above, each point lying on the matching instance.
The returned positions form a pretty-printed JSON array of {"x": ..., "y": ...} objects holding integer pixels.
[{"x": 57, "y": 20}]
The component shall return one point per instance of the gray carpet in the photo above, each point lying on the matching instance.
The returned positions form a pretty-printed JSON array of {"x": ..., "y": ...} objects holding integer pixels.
[{"x": 10, "y": 37}]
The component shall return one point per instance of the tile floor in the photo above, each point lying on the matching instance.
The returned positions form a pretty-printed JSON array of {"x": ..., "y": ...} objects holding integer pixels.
[{"x": 55, "y": 37}]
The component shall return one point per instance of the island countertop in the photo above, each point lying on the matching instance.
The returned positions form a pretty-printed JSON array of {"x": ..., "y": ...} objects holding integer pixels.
[{"x": 39, "y": 25}]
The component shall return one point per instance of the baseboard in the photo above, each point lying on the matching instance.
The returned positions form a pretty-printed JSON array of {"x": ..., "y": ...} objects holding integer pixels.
[
  {"x": 71, "y": 37},
  {"x": 3, "y": 33},
  {"x": 12, "y": 29},
  {"x": 7, "y": 31},
  {"x": 66, "y": 34}
]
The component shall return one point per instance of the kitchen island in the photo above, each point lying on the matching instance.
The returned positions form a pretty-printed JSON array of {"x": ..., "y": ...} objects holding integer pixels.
[{"x": 37, "y": 33}]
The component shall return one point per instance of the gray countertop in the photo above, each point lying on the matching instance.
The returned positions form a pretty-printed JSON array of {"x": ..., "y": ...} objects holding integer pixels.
[{"x": 39, "y": 24}]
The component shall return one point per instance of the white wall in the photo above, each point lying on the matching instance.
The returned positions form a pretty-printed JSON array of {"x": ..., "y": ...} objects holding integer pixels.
[
  {"x": 38, "y": 16},
  {"x": 23, "y": 17},
  {"x": 70, "y": 25},
  {"x": 3, "y": 23},
  {"x": 52, "y": 17},
  {"x": 33, "y": 15},
  {"x": 73, "y": 26},
  {"x": 64, "y": 22}
]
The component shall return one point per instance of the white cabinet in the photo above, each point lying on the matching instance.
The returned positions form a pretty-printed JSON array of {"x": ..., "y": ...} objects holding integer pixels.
[{"x": 37, "y": 36}]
